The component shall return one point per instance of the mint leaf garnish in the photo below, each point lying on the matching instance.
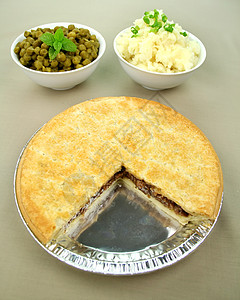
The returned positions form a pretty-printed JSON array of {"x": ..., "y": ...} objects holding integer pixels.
[
  {"x": 47, "y": 38},
  {"x": 52, "y": 53},
  {"x": 58, "y": 41},
  {"x": 57, "y": 46},
  {"x": 59, "y": 35},
  {"x": 68, "y": 45}
]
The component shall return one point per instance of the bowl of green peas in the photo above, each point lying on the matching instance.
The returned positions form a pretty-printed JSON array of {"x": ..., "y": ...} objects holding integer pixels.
[{"x": 58, "y": 55}]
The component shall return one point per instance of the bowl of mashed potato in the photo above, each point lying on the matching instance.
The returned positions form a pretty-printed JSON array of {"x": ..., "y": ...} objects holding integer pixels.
[{"x": 157, "y": 53}]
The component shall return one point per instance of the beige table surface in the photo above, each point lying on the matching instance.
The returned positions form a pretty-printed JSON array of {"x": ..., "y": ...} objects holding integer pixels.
[{"x": 210, "y": 99}]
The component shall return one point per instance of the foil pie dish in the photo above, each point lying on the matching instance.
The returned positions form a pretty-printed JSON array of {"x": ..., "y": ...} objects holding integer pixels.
[
  {"x": 122, "y": 222},
  {"x": 174, "y": 244}
]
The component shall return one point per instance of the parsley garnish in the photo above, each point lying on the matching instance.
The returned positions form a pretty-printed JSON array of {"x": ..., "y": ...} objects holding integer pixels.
[
  {"x": 169, "y": 27},
  {"x": 57, "y": 42},
  {"x": 164, "y": 18},
  {"x": 183, "y": 33},
  {"x": 155, "y": 22},
  {"x": 135, "y": 31},
  {"x": 146, "y": 20}
]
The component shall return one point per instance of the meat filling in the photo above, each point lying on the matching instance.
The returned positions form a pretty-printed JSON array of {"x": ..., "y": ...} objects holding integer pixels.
[{"x": 147, "y": 189}]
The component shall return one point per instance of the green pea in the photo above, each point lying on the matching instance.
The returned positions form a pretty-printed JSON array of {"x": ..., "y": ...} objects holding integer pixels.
[
  {"x": 22, "y": 61},
  {"x": 39, "y": 33},
  {"x": 44, "y": 46},
  {"x": 37, "y": 50},
  {"x": 71, "y": 27},
  {"x": 16, "y": 50},
  {"x": 38, "y": 64},
  {"x": 84, "y": 54},
  {"x": 40, "y": 58},
  {"x": 43, "y": 52},
  {"x": 26, "y": 57},
  {"x": 36, "y": 43},
  {"x": 94, "y": 54},
  {"x": 48, "y": 69},
  {"x": 67, "y": 62},
  {"x": 30, "y": 50},
  {"x": 22, "y": 44},
  {"x": 22, "y": 51},
  {"x": 46, "y": 30},
  {"x": 26, "y": 33},
  {"x": 82, "y": 47},
  {"x": 61, "y": 57},
  {"x": 86, "y": 62},
  {"x": 76, "y": 60},
  {"x": 54, "y": 63},
  {"x": 34, "y": 56},
  {"x": 26, "y": 45},
  {"x": 88, "y": 44},
  {"x": 78, "y": 66},
  {"x": 46, "y": 62},
  {"x": 93, "y": 37},
  {"x": 65, "y": 68},
  {"x": 72, "y": 34},
  {"x": 30, "y": 40}
]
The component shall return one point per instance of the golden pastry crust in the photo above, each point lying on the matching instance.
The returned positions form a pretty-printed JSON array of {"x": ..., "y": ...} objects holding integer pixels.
[{"x": 79, "y": 150}]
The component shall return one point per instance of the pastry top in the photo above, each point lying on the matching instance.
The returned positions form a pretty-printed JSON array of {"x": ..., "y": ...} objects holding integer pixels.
[{"x": 73, "y": 155}]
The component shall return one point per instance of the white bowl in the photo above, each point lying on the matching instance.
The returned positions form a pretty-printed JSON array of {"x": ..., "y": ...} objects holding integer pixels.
[
  {"x": 156, "y": 80},
  {"x": 61, "y": 80}
]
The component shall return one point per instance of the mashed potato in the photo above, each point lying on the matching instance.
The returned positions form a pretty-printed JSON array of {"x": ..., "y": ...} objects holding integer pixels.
[{"x": 163, "y": 51}]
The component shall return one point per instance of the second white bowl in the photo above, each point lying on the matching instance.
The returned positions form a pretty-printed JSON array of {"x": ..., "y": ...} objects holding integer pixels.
[{"x": 156, "y": 80}]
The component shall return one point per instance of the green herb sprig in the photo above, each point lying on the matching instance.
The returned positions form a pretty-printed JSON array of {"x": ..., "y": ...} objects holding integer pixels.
[
  {"x": 183, "y": 33},
  {"x": 57, "y": 42},
  {"x": 135, "y": 31},
  {"x": 169, "y": 27},
  {"x": 155, "y": 22}
]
